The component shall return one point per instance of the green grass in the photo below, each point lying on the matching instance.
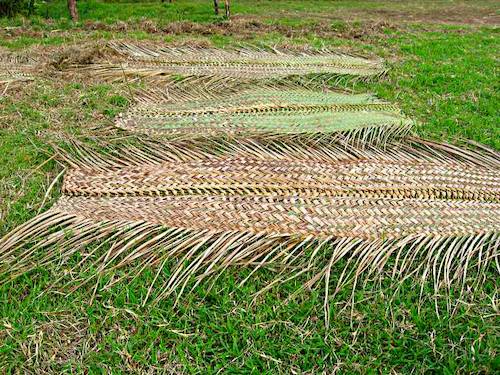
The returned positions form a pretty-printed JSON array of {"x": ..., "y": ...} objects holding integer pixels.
[
  {"x": 449, "y": 82},
  {"x": 446, "y": 78},
  {"x": 222, "y": 330},
  {"x": 284, "y": 11}
]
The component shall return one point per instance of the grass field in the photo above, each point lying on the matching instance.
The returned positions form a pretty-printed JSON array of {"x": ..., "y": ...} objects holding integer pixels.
[{"x": 444, "y": 72}]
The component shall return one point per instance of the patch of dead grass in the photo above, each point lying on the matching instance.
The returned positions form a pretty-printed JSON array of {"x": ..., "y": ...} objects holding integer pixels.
[
  {"x": 76, "y": 55},
  {"x": 60, "y": 340}
]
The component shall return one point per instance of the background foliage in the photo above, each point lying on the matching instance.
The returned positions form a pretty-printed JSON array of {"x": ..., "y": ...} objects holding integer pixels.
[{"x": 11, "y": 7}]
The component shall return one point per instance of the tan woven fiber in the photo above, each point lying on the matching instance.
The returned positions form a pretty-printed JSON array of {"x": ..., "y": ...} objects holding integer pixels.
[
  {"x": 16, "y": 68},
  {"x": 241, "y": 64},
  {"x": 12, "y": 75},
  {"x": 214, "y": 212},
  {"x": 302, "y": 177},
  {"x": 253, "y": 61},
  {"x": 322, "y": 217},
  {"x": 13, "y": 71},
  {"x": 284, "y": 197}
]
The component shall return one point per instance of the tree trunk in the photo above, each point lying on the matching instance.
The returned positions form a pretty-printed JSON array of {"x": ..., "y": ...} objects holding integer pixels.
[
  {"x": 31, "y": 7},
  {"x": 216, "y": 7},
  {"x": 226, "y": 8},
  {"x": 73, "y": 11}
]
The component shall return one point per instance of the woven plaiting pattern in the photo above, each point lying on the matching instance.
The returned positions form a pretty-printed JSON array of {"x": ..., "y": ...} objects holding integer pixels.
[
  {"x": 365, "y": 218},
  {"x": 262, "y": 109},
  {"x": 16, "y": 72},
  {"x": 16, "y": 68},
  {"x": 267, "y": 111},
  {"x": 253, "y": 95},
  {"x": 238, "y": 209},
  {"x": 363, "y": 198},
  {"x": 243, "y": 63},
  {"x": 11, "y": 75},
  {"x": 303, "y": 178}
]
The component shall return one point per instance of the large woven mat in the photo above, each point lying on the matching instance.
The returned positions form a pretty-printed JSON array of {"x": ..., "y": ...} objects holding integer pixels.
[
  {"x": 244, "y": 210},
  {"x": 365, "y": 199}
]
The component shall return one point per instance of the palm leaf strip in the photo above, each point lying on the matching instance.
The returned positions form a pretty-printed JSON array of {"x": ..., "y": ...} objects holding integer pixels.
[
  {"x": 16, "y": 68},
  {"x": 250, "y": 64},
  {"x": 432, "y": 217},
  {"x": 265, "y": 113}
]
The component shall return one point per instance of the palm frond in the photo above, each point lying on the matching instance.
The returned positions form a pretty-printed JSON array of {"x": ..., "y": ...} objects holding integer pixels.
[
  {"x": 11, "y": 76},
  {"x": 8, "y": 58},
  {"x": 15, "y": 69},
  {"x": 250, "y": 64},
  {"x": 432, "y": 217},
  {"x": 115, "y": 149},
  {"x": 266, "y": 113}
]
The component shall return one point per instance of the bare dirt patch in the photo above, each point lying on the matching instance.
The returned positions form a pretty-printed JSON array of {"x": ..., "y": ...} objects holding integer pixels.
[
  {"x": 247, "y": 28},
  {"x": 460, "y": 15},
  {"x": 477, "y": 13}
]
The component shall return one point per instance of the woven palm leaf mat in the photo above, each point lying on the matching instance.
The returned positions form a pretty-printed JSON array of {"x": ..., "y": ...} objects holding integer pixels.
[
  {"x": 135, "y": 60},
  {"x": 16, "y": 68},
  {"x": 266, "y": 113},
  {"x": 292, "y": 213},
  {"x": 14, "y": 75}
]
